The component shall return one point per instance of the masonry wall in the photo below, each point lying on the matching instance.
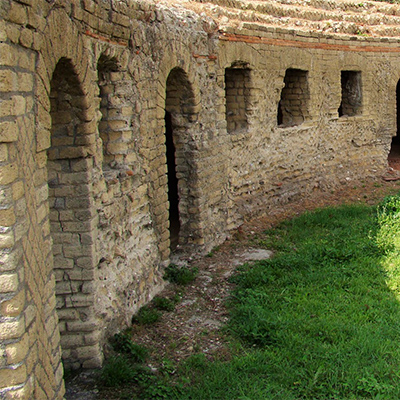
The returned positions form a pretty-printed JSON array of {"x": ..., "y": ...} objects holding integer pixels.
[{"x": 84, "y": 213}]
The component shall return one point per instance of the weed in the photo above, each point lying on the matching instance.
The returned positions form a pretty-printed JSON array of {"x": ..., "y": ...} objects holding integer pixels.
[
  {"x": 146, "y": 316},
  {"x": 122, "y": 343},
  {"x": 117, "y": 371},
  {"x": 178, "y": 296},
  {"x": 180, "y": 275},
  {"x": 161, "y": 389},
  {"x": 163, "y": 304},
  {"x": 168, "y": 367}
]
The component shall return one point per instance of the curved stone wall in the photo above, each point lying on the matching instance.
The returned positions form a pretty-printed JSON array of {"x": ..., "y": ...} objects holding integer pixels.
[{"x": 130, "y": 129}]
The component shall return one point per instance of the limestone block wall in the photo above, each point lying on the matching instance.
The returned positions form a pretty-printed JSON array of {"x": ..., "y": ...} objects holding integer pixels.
[
  {"x": 130, "y": 129},
  {"x": 327, "y": 147}
]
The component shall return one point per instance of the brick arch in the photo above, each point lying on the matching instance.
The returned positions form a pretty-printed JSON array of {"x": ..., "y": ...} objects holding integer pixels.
[{"x": 54, "y": 49}]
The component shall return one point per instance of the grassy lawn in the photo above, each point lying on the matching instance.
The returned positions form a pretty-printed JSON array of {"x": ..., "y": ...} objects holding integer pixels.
[{"x": 321, "y": 319}]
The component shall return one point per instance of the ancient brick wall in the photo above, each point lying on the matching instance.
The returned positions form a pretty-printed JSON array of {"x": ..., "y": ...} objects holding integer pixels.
[{"x": 130, "y": 129}]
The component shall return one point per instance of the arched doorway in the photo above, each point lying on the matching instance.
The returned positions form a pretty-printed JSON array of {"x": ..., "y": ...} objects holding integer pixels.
[
  {"x": 394, "y": 154},
  {"x": 180, "y": 119},
  {"x": 173, "y": 196},
  {"x": 69, "y": 169}
]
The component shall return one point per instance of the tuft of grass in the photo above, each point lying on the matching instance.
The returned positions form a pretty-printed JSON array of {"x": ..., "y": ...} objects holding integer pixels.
[
  {"x": 122, "y": 343},
  {"x": 146, "y": 316},
  {"x": 163, "y": 304},
  {"x": 126, "y": 373},
  {"x": 180, "y": 275},
  {"x": 118, "y": 371}
]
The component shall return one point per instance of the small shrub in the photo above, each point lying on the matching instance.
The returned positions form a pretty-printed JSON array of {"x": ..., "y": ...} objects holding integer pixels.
[
  {"x": 163, "y": 304},
  {"x": 160, "y": 389},
  {"x": 117, "y": 371},
  {"x": 180, "y": 275},
  {"x": 122, "y": 343},
  {"x": 146, "y": 316}
]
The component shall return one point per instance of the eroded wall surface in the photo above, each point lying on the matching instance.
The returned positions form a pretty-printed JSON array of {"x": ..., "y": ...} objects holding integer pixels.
[{"x": 89, "y": 90}]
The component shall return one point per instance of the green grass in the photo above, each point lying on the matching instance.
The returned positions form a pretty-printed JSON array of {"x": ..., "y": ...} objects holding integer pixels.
[
  {"x": 180, "y": 275},
  {"x": 321, "y": 319},
  {"x": 146, "y": 316}
]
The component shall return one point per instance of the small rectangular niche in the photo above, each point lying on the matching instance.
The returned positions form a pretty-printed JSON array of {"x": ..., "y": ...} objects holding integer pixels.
[
  {"x": 293, "y": 105},
  {"x": 237, "y": 91},
  {"x": 351, "y": 103}
]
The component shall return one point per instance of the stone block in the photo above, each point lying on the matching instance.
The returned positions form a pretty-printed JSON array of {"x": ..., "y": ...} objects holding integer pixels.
[
  {"x": 67, "y": 314},
  {"x": 67, "y": 287},
  {"x": 16, "y": 352},
  {"x": 13, "y": 376},
  {"x": 85, "y": 262},
  {"x": 7, "y": 240},
  {"x": 9, "y": 283},
  {"x": 17, "y": 14},
  {"x": 14, "y": 306},
  {"x": 25, "y": 82},
  {"x": 8, "y": 80},
  {"x": 93, "y": 338},
  {"x": 95, "y": 361},
  {"x": 4, "y": 156},
  {"x": 79, "y": 300},
  {"x": 82, "y": 326},
  {"x": 26, "y": 37},
  {"x": 8, "y": 131},
  {"x": 12, "y": 329},
  {"x": 30, "y": 314}
]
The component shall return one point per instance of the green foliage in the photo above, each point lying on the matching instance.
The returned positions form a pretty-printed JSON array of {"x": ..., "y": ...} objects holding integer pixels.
[
  {"x": 388, "y": 216},
  {"x": 159, "y": 389},
  {"x": 180, "y": 275},
  {"x": 163, "y": 304},
  {"x": 146, "y": 316},
  {"x": 118, "y": 371},
  {"x": 122, "y": 343},
  {"x": 121, "y": 371}
]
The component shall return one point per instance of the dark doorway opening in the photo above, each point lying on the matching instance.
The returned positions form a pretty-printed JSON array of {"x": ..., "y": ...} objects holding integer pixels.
[
  {"x": 280, "y": 114},
  {"x": 394, "y": 154},
  {"x": 173, "y": 197}
]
